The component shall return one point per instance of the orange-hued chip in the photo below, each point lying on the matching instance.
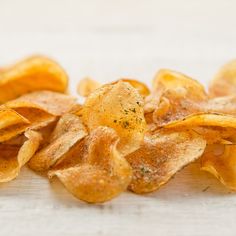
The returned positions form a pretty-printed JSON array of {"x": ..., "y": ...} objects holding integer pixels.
[
  {"x": 14, "y": 156},
  {"x": 9, "y": 117},
  {"x": 67, "y": 133},
  {"x": 50, "y": 102},
  {"x": 141, "y": 87},
  {"x": 205, "y": 119},
  {"x": 31, "y": 74},
  {"x": 101, "y": 172},
  {"x": 220, "y": 160},
  {"x": 120, "y": 107},
  {"x": 224, "y": 82},
  {"x": 87, "y": 86},
  {"x": 35, "y": 109},
  {"x": 160, "y": 156},
  {"x": 172, "y": 80},
  {"x": 174, "y": 97}
]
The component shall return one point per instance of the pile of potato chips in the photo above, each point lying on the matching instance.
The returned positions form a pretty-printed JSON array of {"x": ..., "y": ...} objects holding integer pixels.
[{"x": 124, "y": 136}]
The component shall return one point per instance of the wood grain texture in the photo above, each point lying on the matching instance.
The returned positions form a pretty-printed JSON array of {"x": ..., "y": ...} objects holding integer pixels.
[{"x": 108, "y": 40}]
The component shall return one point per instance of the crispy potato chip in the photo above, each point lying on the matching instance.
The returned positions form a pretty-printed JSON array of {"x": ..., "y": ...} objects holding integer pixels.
[
  {"x": 37, "y": 109},
  {"x": 10, "y": 117},
  {"x": 13, "y": 157},
  {"x": 220, "y": 160},
  {"x": 214, "y": 119},
  {"x": 224, "y": 83},
  {"x": 172, "y": 80},
  {"x": 213, "y": 134},
  {"x": 120, "y": 107},
  {"x": 160, "y": 156},
  {"x": 102, "y": 173},
  {"x": 174, "y": 97},
  {"x": 87, "y": 86},
  {"x": 51, "y": 102},
  {"x": 69, "y": 131},
  {"x": 141, "y": 87},
  {"x": 31, "y": 74}
]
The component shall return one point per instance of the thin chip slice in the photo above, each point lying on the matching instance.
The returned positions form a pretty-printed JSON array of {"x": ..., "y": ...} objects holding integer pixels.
[
  {"x": 174, "y": 97},
  {"x": 31, "y": 74},
  {"x": 224, "y": 83},
  {"x": 161, "y": 156},
  {"x": 87, "y": 86},
  {"x": 9, "y": 117},
  {"x": 102, "y": 172},
  {"x": 53, "y": 103},
  {"x": 220, "y": 160},
  {"x": 13, "y": 157},
  {"x": 141, "y": 87},
  {"x": 120, "y": 107},
  {"x": 69, "y": 131},
  {"x": 171, "y": 80},
  {"x": 205, "y": 119}
]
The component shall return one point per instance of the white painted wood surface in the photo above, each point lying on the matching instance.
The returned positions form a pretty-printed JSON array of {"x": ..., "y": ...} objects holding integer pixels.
[{"x": 107, "y": 40}]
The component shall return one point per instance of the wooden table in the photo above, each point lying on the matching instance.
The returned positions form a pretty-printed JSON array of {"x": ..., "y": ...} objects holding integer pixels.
[{"x": 108, "y": 40}]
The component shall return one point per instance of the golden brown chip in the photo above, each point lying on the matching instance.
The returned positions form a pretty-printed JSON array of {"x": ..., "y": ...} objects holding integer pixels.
[
  {"x": 87, "y": 86},
  {"x": 120, "y": 107},
  {"x": 220, "y": 160},
  {"x": 37, "y": 109},
  {"x": 9, "y": 117},
  {"x": 141, "y": 87},
  {"x": 173, "y": 80},
  {"x": 160, "y": 156},
  {"x": 214, "y": 119},
  {"x": 102, "y": 173},
  {"x": 69, "y": 131},
  {"x": 50, "y": 102},
  {"x": 13, "y": 156},
  {"x": 31, "y": 74},
  {"x": 174, "y": 97},
  {"x": 224, "y": 83}
]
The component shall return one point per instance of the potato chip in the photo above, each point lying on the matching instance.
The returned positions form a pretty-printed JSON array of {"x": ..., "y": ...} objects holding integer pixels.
[
  {"x": 224, "y": 83},
  {"x": 120, "y": 107},
  {"x": 160, "y": 156},
  {"x": 174, "y": 97},
  {"x": 141, "y": 87},
  {"x": 220, "y": 160},
  {"x": 31, "y": 74},
  {"x": 50, "y": 102},
  {"x": 10, "y": 117},
  {"x": 87, "y": 86},
  {"x": 204, "y": 119},
  {"x": 69, "y": 131},
  {"x": 37, "y": 109},
  {"x": 102, "y": 173},
  {"x": 13, "y": 157}
]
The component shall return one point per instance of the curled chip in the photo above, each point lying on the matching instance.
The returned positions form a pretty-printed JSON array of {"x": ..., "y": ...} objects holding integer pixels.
[
  {"x": 50, "y": 102},
  {"x": 68, "y": 132},
  {"x": 9, "y": 117},
  {"x": 171, "y": 80},
  {"x": 174, "y": 97},
  {"x": 35, "y": 109},
  {"x": 31, "y": 74},
  {"x": 87, "y": 86},
  {"x": 101, "y": 172},
  {"x": 220, "y": 160},
  {"x": 141, "y": 87},
  {"x": 213, "y": 119},
  {"x": 160, "y": 156},
  {"x": 224, "y": 83},
  {"x": 120, "y": 107},
  {"x": 14, "y": 155}
]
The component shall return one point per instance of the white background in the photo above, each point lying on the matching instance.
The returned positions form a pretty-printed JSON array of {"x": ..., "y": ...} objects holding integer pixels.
[{"x": 108, "y": 40}]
